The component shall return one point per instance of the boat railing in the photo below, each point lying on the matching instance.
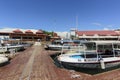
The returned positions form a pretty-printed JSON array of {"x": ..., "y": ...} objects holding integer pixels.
[{"x": 103, "y": 56}]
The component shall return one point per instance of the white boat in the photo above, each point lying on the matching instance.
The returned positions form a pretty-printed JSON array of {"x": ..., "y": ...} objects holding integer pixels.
[
  {"x": 3, "y": 59},
  {"x": 53, "y": 47},
  {"x": 17, "y": 47},
  {"x": 3, "y": 49},
  {"x": 62, "y": 44},
  {"x": 105, "y": 54}
]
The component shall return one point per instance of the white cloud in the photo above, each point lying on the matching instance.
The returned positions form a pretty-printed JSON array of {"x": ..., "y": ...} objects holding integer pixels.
[
  {"x": 97, "y": 24},
  {"x": 106, "y": 29},
  {"x": 11, "y": 29},
  {"x": 7, "y": 29},
  {"x": 109, "y": 27}
]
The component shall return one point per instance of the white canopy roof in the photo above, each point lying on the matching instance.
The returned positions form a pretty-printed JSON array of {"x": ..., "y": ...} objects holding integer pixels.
[{"x": 102, "y": 42}]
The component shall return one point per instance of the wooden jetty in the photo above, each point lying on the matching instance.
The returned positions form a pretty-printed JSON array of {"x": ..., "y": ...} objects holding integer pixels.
[{"x": 35, "y": 63}]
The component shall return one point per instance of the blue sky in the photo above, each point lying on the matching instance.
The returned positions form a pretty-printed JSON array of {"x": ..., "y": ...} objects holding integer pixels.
[{"x": 60, "y": 15}]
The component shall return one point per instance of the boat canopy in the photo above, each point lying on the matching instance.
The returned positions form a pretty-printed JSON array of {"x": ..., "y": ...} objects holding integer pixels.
[{"x": 102, "y": 42}]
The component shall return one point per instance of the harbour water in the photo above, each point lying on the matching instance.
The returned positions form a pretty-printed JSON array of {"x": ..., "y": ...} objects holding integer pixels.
[{"x": 83, "y": 70}]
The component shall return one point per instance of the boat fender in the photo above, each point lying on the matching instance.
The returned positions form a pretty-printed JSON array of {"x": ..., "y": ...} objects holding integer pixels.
[{"x": 102, "y": 64}]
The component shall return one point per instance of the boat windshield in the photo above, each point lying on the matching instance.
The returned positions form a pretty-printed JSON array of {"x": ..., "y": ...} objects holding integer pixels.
[{"x": 76, "y": 56}]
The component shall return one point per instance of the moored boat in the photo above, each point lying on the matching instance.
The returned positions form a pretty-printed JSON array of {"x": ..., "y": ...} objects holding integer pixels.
[
  {"x": 62, "y": 44},
  {"x": 105, "y": 54},
  {"x": 3, "y": 59},
  {"x": 3, "y": 49},
  {"x": 17, "y": 47}
]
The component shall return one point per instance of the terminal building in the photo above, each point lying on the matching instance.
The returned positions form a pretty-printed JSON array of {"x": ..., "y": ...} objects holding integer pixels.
[
  {"x": 98, "y": 35},
  {"x": 24, "y": 36},
  {"x": 28, "y": 35}
]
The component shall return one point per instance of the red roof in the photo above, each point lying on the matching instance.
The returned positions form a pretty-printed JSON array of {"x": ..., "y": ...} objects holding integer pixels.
[
  {"x": 17, "y": 31},
  {"x": 29, "y": 31},
  {"x": 39, "y": 32},
  {"x": 100, "y": 33}
]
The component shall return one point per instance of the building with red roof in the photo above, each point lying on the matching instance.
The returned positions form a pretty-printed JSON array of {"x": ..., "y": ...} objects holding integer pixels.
[
  {"x": 98, "y": 35},
  {"x": 28, "y": 32},
  {"x": 28, "y": 35},
  {"x": 39, "y": 32},
  {"x": 17, "y": 31}
]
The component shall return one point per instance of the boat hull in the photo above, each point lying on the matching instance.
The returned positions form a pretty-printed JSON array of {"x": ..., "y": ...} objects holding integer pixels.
[
  {"x": 17, "y": 48},
  {"x": 55, "y": 48},
  {"x": 90, "y": 65}
]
